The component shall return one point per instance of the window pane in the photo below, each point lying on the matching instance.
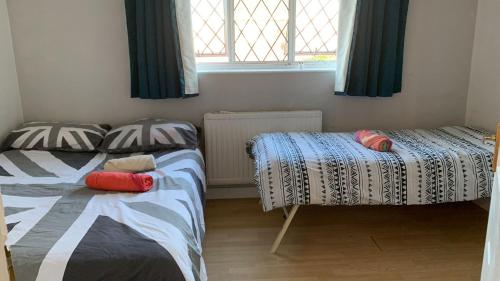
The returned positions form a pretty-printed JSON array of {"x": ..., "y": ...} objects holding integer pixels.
[
  {"x": 316, "y": 34},
  {"x": 261, "y": 30},
  {"x": 209, "y": 30}
]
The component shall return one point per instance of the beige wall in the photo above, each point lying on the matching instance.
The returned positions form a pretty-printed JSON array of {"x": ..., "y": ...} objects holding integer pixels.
[
  {"x": 72, "y": 61},
  {"x": 483, "y": 107},
  {"x": 10, "y": 104}
]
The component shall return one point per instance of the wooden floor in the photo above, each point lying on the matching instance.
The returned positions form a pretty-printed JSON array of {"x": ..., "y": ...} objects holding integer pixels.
[{"x": 439, "y": 242}]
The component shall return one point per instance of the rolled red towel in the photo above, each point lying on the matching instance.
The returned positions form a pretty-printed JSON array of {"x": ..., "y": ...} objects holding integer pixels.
[
  {"x": 115, "y": 181},
  {"x": 372, "y": 140}
]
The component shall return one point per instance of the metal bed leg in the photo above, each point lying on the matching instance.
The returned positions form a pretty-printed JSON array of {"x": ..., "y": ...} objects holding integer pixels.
[{"x": 282, "y": 233}]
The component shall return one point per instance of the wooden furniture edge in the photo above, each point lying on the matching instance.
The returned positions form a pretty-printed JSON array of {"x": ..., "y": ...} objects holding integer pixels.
[
  {"x": 497, "y": 145},
  {"x": 5, "y": 274}
]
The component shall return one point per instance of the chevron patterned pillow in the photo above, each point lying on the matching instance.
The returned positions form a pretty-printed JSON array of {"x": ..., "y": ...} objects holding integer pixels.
[
  {"x": 149, "y": 135},
  {"x": 56, "y": 136}
]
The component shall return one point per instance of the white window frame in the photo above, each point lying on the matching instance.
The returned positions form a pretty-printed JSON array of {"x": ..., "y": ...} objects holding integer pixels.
[{"x": 290, "y": 66}]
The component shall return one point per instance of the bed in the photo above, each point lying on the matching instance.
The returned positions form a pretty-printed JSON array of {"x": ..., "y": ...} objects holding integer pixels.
[
  {"x": 61, "y": 230},
  {"x": 441, "y": 165}
]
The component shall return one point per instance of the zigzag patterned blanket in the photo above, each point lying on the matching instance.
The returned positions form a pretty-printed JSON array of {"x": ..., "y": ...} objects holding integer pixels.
[
  {"x": 60, "y": 230},
  {"x": 426, "y": 167}
]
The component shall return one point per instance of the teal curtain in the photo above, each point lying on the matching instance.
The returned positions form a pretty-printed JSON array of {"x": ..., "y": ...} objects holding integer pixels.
[
  {"x": 156, "y": 65},
  {"x": 375, "y": 66}
]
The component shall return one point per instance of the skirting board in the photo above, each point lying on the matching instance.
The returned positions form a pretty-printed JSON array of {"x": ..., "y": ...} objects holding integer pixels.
[{"x": 232, "y": 192}]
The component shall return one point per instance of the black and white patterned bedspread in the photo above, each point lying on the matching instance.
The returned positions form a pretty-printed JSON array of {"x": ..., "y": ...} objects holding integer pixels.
[
  {"x": 61, "y": 230},
  {"x": 426, "y": 166}
]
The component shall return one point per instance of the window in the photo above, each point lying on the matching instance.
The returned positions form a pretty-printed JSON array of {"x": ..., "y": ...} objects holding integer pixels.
[{"x": 265, "y": 32}]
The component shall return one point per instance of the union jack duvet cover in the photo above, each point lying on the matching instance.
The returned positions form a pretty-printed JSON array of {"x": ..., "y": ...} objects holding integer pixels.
[
  {"x": 61, "y": 230},
  {"x": 425, "y": 167}
]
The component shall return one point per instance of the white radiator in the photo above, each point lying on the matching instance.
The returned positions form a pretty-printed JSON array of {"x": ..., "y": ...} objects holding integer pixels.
[{"x": 226, "y": 134}]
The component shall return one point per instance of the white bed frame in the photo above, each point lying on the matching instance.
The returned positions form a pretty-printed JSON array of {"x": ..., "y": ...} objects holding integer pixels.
[{"x": 289, "y": 218}]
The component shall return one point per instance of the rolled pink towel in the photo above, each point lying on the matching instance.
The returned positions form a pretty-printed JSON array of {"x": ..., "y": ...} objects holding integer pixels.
[{"x": 374, "y": 141}]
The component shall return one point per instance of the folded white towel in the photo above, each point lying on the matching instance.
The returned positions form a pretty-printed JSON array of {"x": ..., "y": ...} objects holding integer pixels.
[{"x": 133, "y": 164}]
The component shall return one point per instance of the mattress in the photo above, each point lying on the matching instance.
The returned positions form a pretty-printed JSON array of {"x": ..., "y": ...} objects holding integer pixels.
[
  {"x": 61, "y": 230},
  {"x": 425, "y": 167}
]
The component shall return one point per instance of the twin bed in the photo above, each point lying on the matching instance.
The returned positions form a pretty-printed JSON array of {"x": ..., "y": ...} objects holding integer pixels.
[
  {"x": 58, "y": 229},
  {"x": 425, "y": 167}
]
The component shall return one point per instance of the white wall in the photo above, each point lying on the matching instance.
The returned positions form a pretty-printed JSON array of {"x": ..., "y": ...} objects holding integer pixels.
[
  {"x": 10, "y": 103},
  {"x": 72, "y": 59},
  {"x": 483, "y": 107},
  {"x": 10, "y": 108}
]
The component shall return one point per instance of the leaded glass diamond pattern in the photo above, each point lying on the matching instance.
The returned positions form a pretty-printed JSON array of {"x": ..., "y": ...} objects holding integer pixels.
[
  {"x": 261, "y": 30},
  {"x": 317, "y": 27},
  {"x": 208, "y": 27},
  {"x": 257, "y": 31}
]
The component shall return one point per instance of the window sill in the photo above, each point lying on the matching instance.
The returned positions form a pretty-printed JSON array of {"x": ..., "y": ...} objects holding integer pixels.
[{"x": 265, "y": 68}]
